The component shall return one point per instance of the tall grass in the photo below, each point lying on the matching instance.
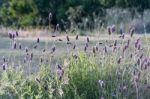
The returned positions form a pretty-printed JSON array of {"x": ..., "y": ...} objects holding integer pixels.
[{"x": 115, "y": 69}]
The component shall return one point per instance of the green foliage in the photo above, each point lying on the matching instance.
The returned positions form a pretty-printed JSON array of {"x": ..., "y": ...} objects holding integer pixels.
[{"x": 35, "y": 12}]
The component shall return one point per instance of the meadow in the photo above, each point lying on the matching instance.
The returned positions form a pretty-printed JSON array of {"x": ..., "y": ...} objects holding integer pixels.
[{"x": 107, "y": 66}]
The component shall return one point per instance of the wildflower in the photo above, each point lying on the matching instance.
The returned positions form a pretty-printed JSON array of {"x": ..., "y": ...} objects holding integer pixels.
[
  {"x": 10, "y": 35},
  {"x": 44, "y": 50},
  {"x": 26, "y": 49},
  {"x": 141, "y": 56},
  {"x": 131, "y": 55},
  {"x": 85, "y": 48},
  {"x": 41, "y": 60},
  {"x": 109, "y": 30},
  {"x": 53, "y": 35},
  {"x": 138, "y": 61},
  {"x": 57, "y": 27},
  {"x": 53, "y": 49},
  {"x": 74, "y": 47},
  {"x": 20, "y": 46},
  {"x": 114, "y": 48},
  {"x": 121, "y": 31},
  {"x": 105, "y": 49},
  {"x": 122, "y": 35},
  {"x": 50, "y": 16},
  {"x": 119, "y": 60},
  {"x": 60, "y": 72},
  {"x": 37, "y": 80},
  {"x": 4, "y": 66},
  {"x": 125, "y": 47},
  {"x": 17, "y": 33},
  {"x": 15, "y": 46},
  {"x": 35, "y": 46},
  {"x": 60, "y": 40},
  {"x": 4, "y": 59},
  {"x": 131, "y": 32},
  {"x": 86, "y": 45},
  {"x": 94, "y": 50},
  {"x": 77, "y": 37},
  {"x": 67, "y": 38},
  {"x": 69, "y": 43},
  {"x": 38, "y": 40},
  {"x": 24, "y": 60},
  {"x": 13, "y": 36},
  {"x": 31, "y": 56},
  {"x": 96, "y": 47},
  {"x": 115, "y": 43},
  {"x": 100, "y": 43},
  {"x": 128, "y": 42},
  {"x": 88, "y": 40},
  {"x": 113, "y": 28}
]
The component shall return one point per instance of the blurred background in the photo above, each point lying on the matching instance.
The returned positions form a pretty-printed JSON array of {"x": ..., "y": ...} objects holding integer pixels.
[{"x": 84, "y": 15}]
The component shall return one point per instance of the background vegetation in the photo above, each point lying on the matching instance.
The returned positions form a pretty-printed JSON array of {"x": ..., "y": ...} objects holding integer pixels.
[{"x": 35, "y": 12}]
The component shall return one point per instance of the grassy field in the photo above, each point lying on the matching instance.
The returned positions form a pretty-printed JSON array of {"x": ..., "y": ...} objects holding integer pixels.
[{"x": 98, "y": 67}]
